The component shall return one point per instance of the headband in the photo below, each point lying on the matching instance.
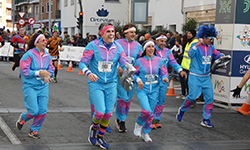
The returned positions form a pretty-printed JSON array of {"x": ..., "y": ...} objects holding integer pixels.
[
  {"x": 105, "y": 28},
  {"x": 37, "y": 38},
  {"x": 149, "y": 42},
  {"x": 130, "y": 29},
  {"x": 161, "y": 37}
]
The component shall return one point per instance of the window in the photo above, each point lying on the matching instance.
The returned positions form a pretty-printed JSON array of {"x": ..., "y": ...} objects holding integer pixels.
[
  {"x": 42, "y": 8},
  {"x": 47, "y": 7},
  {"x": 37, "y": 10},
  {"x": 72, "y": 2},
  {"x": 65, "y": 3}
]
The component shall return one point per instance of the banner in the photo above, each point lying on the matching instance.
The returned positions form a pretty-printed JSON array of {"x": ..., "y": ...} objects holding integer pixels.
[
  {"x": 6, "y": 50},
  {"x": 71, "y": 53}
]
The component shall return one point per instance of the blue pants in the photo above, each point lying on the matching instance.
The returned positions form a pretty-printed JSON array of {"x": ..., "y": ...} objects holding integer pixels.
[
  {"x": 123, "y": 102},
  {"x": 161, "y": 100},
  {"x": 103, "y": 96},
  {"x": 36, "y": 101},
  {"x": 147, "y": 102},
  {"x": 198, "y": 85}
]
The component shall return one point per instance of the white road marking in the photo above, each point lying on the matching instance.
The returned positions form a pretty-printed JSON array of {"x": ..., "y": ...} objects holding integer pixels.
[{"x": 8, "y": 132}]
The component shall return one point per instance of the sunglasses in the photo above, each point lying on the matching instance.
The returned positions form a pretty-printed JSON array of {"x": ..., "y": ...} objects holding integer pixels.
[
  {"x": 43, "y": 40},
  {"x": 211, "y": 38}
]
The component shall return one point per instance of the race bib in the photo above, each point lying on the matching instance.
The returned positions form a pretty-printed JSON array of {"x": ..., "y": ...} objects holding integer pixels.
[
  {"x": 21, "y": 45},
  {"x": 105, "y": 66},
  {"x": 54, "y": 57},
  {"x": 151, "y": 79},
  {"x": 131, "y": 60},
  {"x": 206, "y": 60}
]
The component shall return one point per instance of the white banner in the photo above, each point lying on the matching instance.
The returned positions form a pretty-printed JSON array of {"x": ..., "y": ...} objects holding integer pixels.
[
  {"x": 72, "y": 53},
  {"x": 6, "y": 50}
]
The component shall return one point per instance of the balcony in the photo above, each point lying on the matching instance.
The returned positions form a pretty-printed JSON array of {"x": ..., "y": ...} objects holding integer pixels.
[
  {"x": 58, "y": 14},
  {"x": 8, "y": 17},
  {"x": 21, "y": 1},
  {"x": 8, "y": 5}
]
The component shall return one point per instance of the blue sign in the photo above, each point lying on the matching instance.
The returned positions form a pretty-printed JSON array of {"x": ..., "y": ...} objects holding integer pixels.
[
  {"x": 240, "y": 64},
  {"x": 102, "y": 12}
]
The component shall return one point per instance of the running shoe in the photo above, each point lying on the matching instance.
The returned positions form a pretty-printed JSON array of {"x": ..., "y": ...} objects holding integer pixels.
[
  {"x": 120, "y": 126},
  {"x": 92, "y": 135},
  {"x": 20, "y": 122},
  {"x": 157, "y": 124},
  {"x": 146, "y": 137},
  {"x": 34, "y": 134},
  {"x": 179, "y": 115},
  {"x": 108, "y": 130},
  {"x": 54, "y": 80},
  {"x": 102, "y": 143},
  {"x": 137, "y": 130},
  {"x": 13, "y": 67},
  {"x": 153, "y": 124},
  {"x": 207, "y": 123}
]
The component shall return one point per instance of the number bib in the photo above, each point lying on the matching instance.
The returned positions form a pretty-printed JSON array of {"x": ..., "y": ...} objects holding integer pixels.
[
  {"x": 105, "y": 66},
  {"x": 206, "y": 60},
  {"x": 151, "y": 79},
  {"x": 131, "y": 60},
  {"x": 21, "y": 45}
]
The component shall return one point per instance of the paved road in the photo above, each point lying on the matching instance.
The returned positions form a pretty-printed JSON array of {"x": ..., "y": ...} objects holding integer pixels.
[{"x": 68, "y": 120}]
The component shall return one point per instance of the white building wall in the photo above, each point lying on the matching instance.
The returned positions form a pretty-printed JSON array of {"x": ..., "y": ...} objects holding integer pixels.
[
  {"x": 194, "y": 3},
  {"x": 118, "y": 11},
  {"x": 166, "y": 13}
]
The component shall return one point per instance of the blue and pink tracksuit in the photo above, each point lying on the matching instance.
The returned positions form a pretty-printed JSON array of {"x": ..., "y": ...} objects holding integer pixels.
[
  {"x": 148, "y": 95},
  {"x": 167, "y": 55},
  {"x": 133, "y": 51},
  {"x": 35, "y": 90},
  {"x": 103, "y": 92},
  {"x": 199, "y": 77}
]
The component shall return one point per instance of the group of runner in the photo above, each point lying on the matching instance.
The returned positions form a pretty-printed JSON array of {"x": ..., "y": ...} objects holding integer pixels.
[{"x": 104, "y": 62}]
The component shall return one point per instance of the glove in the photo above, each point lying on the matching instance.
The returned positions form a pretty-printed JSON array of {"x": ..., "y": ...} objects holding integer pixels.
[{"x": 236, "y": 92}]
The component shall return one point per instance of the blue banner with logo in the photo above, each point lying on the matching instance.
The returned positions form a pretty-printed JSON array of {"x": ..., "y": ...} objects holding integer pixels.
[{"x": 240, "y": 63}]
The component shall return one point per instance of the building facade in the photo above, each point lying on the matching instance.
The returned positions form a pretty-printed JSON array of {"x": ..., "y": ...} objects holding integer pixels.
[
  {"x": 94, "y": 13},
  {"x": 5, "y": 14}
]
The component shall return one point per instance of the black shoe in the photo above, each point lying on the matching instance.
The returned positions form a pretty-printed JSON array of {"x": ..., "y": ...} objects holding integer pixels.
[
  {"x": 54, "y": 80},
  {"x": 13, "y": 67},
  {"x": 20, "y": 122},
  {"x": 34, "y": 134},
  {"x": 121, "y": 126}
]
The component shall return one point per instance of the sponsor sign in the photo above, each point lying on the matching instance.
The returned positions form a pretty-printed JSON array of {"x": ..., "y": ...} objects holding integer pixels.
[
  {"x": 221, "y": 89},
  {"x": 224, "y": 39},
  {"x": 240, "y": 63},
  {"x": 102, "y": 16},
  {"x": 242, "y": 13},
  {"x": 225, "y": 11},
  {"x": 241, "y": 37},
  {"x": 244, "y": 92}
]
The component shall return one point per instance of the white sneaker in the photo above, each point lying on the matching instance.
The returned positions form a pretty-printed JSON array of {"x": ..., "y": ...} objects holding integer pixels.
[
  {"x": 146, "y": 137},
  {"x": 137, "y": 130},
  {"x": 183, "y": 97},
  {"x": 178, "y": 96}
]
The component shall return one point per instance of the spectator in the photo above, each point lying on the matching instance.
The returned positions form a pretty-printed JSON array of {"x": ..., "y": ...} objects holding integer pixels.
[
  {"x": 168, "y": 40},
  {"x": 47, "y": 35},
  {"x": 66, "y": 37},
  {"x": 81, "y": 41},
  {"x": 73, "y": 40},
  {"x": 5, "y": 36},
  {"x": 172, "y": 40},
  {"x": 117, "y": 35}
]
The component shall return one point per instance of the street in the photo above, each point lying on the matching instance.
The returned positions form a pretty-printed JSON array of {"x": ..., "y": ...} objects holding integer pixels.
[{"x": 66, "y": 126}]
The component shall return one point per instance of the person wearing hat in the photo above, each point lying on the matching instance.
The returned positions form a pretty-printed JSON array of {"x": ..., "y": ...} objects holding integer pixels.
[
  {"x": 201, "y": 54},
  {"x": 167, "y": 55},
  {"x": 191, "y": 37},
  {"x": 150, "y": 71},
  {"x": 133, "y": 51},
  {"x": 53, "y": 44},
  {"x": 102, "y": 56}
]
